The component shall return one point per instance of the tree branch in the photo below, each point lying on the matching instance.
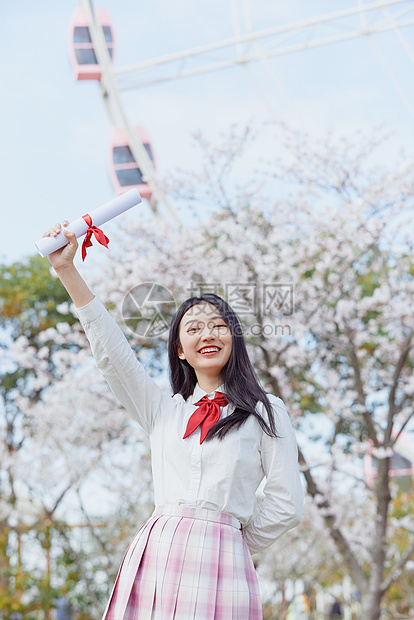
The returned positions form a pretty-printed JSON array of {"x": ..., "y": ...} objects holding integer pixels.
[
  {"x": 272, "y": 380},
  {"x": 391, "y": 399},
  {"x": 396, "y": 571},
  {"x": 372, "y": 433},
  {"x": 91, "y": 526},
  {"x": 79, "y": 566},
  {"x": 339, "y": 539},
  {"x": 398, "y": 435}
]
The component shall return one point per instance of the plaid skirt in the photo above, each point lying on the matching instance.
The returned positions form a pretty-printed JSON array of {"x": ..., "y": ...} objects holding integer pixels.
[{"x": 186, "y": 564}]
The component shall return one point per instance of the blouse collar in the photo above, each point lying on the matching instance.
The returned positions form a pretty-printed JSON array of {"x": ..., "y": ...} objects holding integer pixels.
[{"x": 199, "y": 393}]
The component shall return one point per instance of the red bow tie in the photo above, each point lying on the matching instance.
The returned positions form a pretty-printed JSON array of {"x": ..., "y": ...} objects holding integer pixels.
[{"x": 207, "y": 414}]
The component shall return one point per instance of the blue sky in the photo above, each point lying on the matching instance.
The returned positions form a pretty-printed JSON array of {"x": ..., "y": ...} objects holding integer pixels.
[{"x": 55, "y": 131}]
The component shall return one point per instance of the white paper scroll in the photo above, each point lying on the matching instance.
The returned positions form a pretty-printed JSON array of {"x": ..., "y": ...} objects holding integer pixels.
[{"x": 99, "y": 216}]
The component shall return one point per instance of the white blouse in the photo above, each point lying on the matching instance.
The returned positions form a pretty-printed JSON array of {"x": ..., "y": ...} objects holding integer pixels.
[{"x": 221, "y": 475}]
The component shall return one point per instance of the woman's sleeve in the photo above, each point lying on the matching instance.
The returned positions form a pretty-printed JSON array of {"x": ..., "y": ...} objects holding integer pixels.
[
  {"x": 282, "y": 506},
  {"x": 114, "y": 357}
]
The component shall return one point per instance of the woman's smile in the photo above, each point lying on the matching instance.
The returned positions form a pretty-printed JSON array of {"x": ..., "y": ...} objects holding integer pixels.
[{"x": 208, "y": 351}]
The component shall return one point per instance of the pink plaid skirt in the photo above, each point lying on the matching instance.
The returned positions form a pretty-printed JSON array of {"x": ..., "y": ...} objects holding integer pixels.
[{"x": 186, "y": 564}]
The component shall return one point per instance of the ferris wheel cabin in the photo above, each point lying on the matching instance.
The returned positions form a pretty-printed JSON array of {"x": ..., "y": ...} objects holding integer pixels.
[
  {"x": 123, "y": 169},
  {"x": 81, "y": 51}
]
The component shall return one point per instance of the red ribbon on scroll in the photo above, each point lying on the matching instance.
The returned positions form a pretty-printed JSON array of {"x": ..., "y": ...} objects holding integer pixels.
[{"x": 99, "y": 235}]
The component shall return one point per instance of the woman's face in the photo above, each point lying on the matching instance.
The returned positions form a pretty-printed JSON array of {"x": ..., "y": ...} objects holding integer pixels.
[{"x": 206, "y": 340}]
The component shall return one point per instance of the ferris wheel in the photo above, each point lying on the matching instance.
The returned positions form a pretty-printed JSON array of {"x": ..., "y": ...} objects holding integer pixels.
[{"x": 132, "y": 159}]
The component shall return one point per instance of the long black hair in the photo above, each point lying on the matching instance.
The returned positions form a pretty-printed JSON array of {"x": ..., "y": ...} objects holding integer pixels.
[{"x": 241, "y": 385}]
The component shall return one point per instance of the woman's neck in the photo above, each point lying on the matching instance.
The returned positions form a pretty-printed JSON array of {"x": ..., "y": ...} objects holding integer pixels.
[{"x": 208, "y": 384}]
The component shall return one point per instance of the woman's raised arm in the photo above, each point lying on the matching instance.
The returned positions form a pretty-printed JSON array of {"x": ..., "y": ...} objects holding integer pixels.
[
  {"x": 62, "y": 263},
  {"x": 126, "y": 377}
]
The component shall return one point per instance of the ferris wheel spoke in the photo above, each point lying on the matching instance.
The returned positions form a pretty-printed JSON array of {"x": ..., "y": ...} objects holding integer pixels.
[{"x": 119, "y": 115}]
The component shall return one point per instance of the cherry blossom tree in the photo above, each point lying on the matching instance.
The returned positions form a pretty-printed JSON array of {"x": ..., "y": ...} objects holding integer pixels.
[
  {"x": 29, "y": 298},
  {"x": 321, "y": 273},
  {"x": 315, "y": 255},
  {"x": 56, "y": 443},
  {"x": 302, "y": 561}
]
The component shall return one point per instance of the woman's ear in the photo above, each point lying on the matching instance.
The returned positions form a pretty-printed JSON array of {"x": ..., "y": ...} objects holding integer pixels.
[{"x": 180, "y": 352}]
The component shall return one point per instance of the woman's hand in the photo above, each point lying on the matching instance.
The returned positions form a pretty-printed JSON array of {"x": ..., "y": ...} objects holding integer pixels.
[
  {"x": 63, "y": 257},
  {"x": 62, "y": 263}
]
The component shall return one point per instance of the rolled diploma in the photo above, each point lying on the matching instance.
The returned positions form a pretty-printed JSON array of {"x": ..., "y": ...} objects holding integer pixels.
[{"x": 100, "y": 215}]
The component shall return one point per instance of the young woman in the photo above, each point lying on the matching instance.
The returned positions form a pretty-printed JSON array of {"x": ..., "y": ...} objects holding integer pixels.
[{"x": 212, "y": 443}]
